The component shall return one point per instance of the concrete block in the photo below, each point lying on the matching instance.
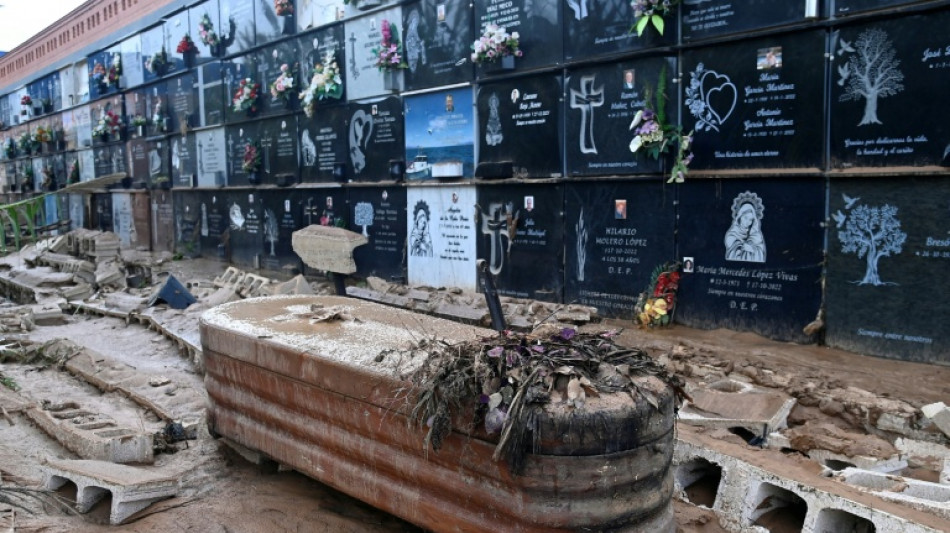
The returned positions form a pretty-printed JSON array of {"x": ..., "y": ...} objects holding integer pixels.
[
  {"x": 939, "y": 414},
  {"x": 327, "y": 248},
  {"x": 297, "y": 285},
  {"x": 945, "y": 473},
  {"x": 722, "y": 407},
  {"x": 132, "y": 489},
  {"x": 921, "y": 495},
  {"x": 103, "y": 442}
]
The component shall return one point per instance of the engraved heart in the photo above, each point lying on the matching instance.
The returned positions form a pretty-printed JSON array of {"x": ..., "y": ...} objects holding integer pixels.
[{"x": 719, "y": 94}]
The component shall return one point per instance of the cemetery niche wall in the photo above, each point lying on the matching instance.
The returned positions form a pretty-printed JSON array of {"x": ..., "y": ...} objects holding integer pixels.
[
  {"x": 751, "y": 254},
  {"x": 888, "y": 253}
]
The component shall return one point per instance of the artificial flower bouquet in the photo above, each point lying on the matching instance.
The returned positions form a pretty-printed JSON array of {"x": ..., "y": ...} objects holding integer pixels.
[
  {"x": 109, "y": 123},
  {"x": 325, "y": 83},
  {"x": 99, "y": 73},
  {"x": 655, "y": 136},
  {"x": 251, "y": 162},
  {"x": 73, "y": 173},
  {"x": 186, "y": 46},
  {"x": 206, "y": 32},
  {"x": 655, "y": 306},
  {"x": 283, "y": 7},
  {"x": 389, "y": 50},
  {"x": 158, "y": 63},
  {"x": 245, "y": 98},
  {"x": 494, "y": 44},
  {"x": 282, "y": 87},
  {"x": 115, "y": 71}
]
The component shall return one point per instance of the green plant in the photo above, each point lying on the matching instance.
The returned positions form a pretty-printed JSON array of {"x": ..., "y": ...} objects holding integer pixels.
[{"x": 9, "y": 382}]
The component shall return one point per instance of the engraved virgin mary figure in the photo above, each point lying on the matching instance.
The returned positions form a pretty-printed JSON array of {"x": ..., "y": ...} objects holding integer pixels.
[
  {"x": 493, "y": 134},
  {"x": 744, "y": 239}
]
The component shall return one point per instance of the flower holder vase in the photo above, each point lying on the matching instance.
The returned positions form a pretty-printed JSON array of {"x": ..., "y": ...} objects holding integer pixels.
[
  {"x": 508, "y": 63},
  {"x": 253, "y": 178},
  {"x": 189, "y": 59},
  {"x": 289, "y": 25},
  {"x": 140, "y": 131},
  {"x": 392, "y": 80}
]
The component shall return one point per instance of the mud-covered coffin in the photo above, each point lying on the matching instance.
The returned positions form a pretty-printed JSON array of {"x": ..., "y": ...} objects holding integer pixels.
[{"x": 311, "y": 395}]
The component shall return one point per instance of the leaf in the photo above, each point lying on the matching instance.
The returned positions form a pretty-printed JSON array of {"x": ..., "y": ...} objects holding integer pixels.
[
  {"x": 658, "y": 23},
  {"x": 642, "y": 25}
]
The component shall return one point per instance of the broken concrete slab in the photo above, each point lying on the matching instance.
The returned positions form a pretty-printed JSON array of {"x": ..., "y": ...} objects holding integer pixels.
[
  {"x": 132, "y": 489},
  {"x": 327, "y": 248},
  {"x": 729, "y": 404},
  {"x": 98, "y": 439},
  {"x": 381, "y": 297},
  {"x": 939, "y": 414},
  {"x": 124, "y": 302},
  {"x": 297, "y": 285}
]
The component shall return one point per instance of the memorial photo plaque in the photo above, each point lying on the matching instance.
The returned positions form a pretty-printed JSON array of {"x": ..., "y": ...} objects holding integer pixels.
[
  {"x": 281, "y": 219},
  {"x": 213, "y": 150},
  {"x": 440, "y": 129},
  {"x": 238, "y": 16},
  {"x": 752, "y": 104},
  {"x": 899, "y": 115},
  {"x": 521, "y": 236},
  {"x": 323, "y": 144},
  {"x": 376, "y": 136},
  {"x": 109, "y": 159},
  {"x": 379, "y": 213},
  {"x": 601, "y": 104},
  {"x": 102, "y": 211},
  {"x": 277, "y": 64},
  {"x": 607, "y": 27},
  {"x": 703, "y": 19},
  {"x": 615, "y": 235},
  {"x": 888, "y": 254},
  {"x": 755, "y": 248},
  {"x": 322, "y": 47},
  {"x": 438, "y": 37},
  {"x": 187, "y": 223},
  {"x": 138, "y": 154},
  {"x": 159, "y": 164},
  {"x": 538, "y": 24},
  {"x": 238, "y": 139},
  {"x": 184, "y": 160},
  {"x": 98, "y": 67},
  {"x": 325, "y": 206},
  {"x": 213, "y": 224},
  {"x": 278, "y": 139},
  {"x": 156, "y": 110},
  {"x": 519, "y": 124},
  {"x": 442, "y": 238},
  {"x": 363, "y": 36}
]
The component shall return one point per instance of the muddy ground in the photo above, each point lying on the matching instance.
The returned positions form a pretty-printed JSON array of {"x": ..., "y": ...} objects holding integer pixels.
[{"x": 840, "y": 396}]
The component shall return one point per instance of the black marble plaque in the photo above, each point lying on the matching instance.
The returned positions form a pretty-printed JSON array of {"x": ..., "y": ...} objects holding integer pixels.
[
  {"x": 109, "y": 159},
  {"x": 245, "y": 226},
  {"x": 234, "y": 71},
  {"x": 898, "y": 114},
  {"x": 888, "y": 253},
  {"x": 537, "y": 23},
  {"x": 158, "y": 157},
  {"x": 438, "y": 34},
  {"x": 527, "y": 263},
  {"x": 271, "y": 61},
  {"x": 206, "y": 30},
  {"x": 281, "y": 219},
  {"x": 272, "y": 26},
  {"x": 314, "y": 47},
  {"x": 187, "y": 212},
  {"x": 379, "y": 213},
  {"x": 844, "y": 8},
  {"x": 755, "y": 247},
  {"x": 325, "y": 206},
  {"x": 184, "y": 160},
  {"x": 323, "y": 143},
  {"x": 214, "y": 224},
  {"x": 212, "y": 156},
  {"x": 752, "y": 104},
  {"x": 278, "y": 137},
  {"x": 615, "y": 235},
  {"x": 594, "y": 28},
  {"x": 519, "y": 122},
  {"x": 181, "y": 104},
  {"x": 212, "y": 86},
  {"x": 237, "y": 139},
  {"x": 102, "y": 211},
  {"x": 138, "y": 156},
  {"x": 376, "y": 136},
  {"x": 600, "y": 105},
  {"x": 703, "y": 18},
  {"x": 440, "y": 129},
  {"x": 238, "y": 15}
]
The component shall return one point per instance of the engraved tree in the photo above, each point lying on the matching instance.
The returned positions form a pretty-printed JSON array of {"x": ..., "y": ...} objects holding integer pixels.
[
  {"x": 871, "y": 73},
  {"x": 271, "y": 232},
  {"x": 581, "y": 246},
  {"x": 872, "y": 233}
]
